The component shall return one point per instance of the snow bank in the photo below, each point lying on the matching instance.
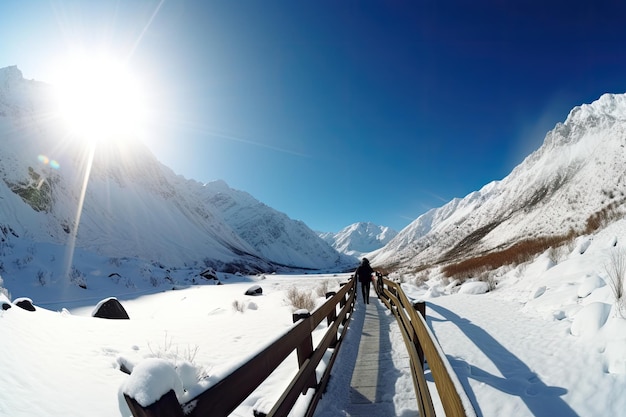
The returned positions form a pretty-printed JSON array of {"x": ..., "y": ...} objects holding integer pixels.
[
  {"x": 433, "y": 292},
  {"x": 589, "y": 284},
  {"x": 590, "y": 319},
  {"x": 475, "y": 287},
  {"x": 538, "y": 292},
  {"x": 151, "y": 379},
  {"x": 615, "y": 362}
]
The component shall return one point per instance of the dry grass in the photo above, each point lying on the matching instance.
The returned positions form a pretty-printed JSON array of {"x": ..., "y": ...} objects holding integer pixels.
[
  {"x": 322, "y": 289},
  {"x": 525, "y": 250},
  {"x": 616, "y": 271},
  {"x": 516, "y": 254},
  {"x": 178, "y": 356},
  {"x": 604, "y": 217},
  {"x": 239, "y": 306},
  {"x": 490, "y": 278},
  {"x": 420, "y": 279},
  {"x": 300, "y": 300}
]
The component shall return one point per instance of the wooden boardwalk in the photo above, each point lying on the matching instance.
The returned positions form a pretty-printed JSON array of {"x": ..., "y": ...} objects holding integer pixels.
[{"x": 369, "y": 394}]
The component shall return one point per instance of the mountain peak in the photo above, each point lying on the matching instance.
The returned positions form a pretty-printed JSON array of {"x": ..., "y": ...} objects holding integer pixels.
[
  {"x": 133, "y": 206},
  {"x": 612, "y": 105},
  {"x": 360, "y": 238},
  {"x": 10, "y": 74},
  {"x": 575, "y": 175}
]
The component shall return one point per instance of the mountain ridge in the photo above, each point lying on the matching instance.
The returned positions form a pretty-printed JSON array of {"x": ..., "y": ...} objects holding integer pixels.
[
  {"x": 574, "y": 174},
  {"x": 134, "y": 206},
  {"x": 359, "y": 238}
]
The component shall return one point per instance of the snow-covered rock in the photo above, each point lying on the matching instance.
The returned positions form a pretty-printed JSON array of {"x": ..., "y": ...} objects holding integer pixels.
[{"x": 476, "y": 287}]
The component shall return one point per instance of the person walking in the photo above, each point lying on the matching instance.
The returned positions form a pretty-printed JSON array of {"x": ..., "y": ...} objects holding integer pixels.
[{"x": 363, "y": 274}]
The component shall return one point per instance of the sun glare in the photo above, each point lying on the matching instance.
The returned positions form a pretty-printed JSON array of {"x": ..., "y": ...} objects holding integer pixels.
[
  {"x": 101, "y": 104},
  {"x": 100, "y": 100}
]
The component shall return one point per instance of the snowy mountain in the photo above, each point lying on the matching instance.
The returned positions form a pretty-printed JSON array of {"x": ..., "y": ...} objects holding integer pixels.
[
  {"x": 573, "y": 184},
  {"x": 359, "y": 238},
  {"x": 132, "y": 205},
  {"x": 269, "y": 232}
]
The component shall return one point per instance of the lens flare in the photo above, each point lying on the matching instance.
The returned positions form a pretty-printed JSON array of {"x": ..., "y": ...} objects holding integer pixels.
[{"x": 47, "y": 161}]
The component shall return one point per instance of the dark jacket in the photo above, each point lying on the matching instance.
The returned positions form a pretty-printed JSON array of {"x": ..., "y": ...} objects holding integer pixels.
[{"x": 364, "y": 272}]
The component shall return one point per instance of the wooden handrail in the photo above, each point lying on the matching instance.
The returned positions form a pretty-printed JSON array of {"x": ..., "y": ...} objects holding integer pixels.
[
  {"x": 416, "y": 333},
  {"x": 224, "y": 396},
  {"x": 424, "y": 402}
]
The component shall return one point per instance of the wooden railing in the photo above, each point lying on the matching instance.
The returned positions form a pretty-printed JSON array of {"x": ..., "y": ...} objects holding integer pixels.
[
  {"x": 422, "y": 345},
  {"x": 223, "y": 397}
]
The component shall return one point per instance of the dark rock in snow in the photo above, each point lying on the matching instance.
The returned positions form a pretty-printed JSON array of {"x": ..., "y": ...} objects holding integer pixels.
[
  {"x": 110, "y": 308},
  {"x": 6, "y": 306},
  {"x": 254, "y": 290},
  {"x": 25, "y": 303},
  {"x": 209, "y": 273}
]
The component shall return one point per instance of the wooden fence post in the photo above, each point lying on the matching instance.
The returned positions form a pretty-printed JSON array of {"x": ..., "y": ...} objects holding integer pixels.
[
  {"x": 378, "y": 284},
  {"x": 342, "y": 302},
  {"x": 332, "y": 316},
  {"x": 420, "y": 307},
  {"x": 166, "y": 406},
  {"x": 305, "y": 349}
]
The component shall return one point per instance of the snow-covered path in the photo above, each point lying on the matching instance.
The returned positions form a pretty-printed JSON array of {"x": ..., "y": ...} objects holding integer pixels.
[
  {"x": 395, "y": 390},
  {"x": 512, "y": 363}
]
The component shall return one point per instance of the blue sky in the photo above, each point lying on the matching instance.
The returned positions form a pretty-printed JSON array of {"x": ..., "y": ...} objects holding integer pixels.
[{"x": 335, "y": 112}]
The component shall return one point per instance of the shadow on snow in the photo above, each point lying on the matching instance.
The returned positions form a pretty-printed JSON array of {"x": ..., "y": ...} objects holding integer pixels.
[{"x": 517, "y": 380}]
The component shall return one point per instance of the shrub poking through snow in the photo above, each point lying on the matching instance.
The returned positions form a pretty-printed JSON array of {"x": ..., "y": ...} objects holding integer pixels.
[
  {"x": 616, "y": 271},
  {"x": 322, "y": 289},
  {"x": 78, "y": 278},
  {"x": 489, "y": 277},
  {"x": 41, "y": 278},
  {"x": 177, "y": 356},
  {"x": 239, "y": 306},
  {"x": 300, "y": 300}
]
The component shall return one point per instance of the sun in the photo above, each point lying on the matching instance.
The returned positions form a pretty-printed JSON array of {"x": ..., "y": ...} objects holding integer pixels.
[{"x": 99, "y": 99}]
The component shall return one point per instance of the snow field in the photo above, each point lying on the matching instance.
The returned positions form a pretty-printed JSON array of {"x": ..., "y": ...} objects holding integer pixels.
[
  {"x": 59, "y": 364},
  {"x": 548, "y": 341}
]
